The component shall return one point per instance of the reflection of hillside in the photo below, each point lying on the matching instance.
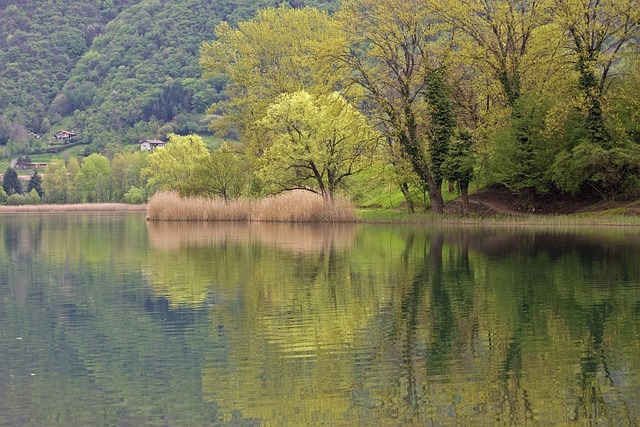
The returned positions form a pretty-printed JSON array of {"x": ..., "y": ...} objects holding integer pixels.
[{"x": 298, "y": 238}]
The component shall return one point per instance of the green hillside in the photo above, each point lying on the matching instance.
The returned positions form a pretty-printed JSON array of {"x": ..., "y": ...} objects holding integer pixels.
[{"x": 114, "y": 71}]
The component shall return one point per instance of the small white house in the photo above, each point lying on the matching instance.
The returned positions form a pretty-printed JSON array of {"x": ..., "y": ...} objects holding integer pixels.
[
  {"x": 65, "y": 135},
  {"x": 150, "y": 144}
]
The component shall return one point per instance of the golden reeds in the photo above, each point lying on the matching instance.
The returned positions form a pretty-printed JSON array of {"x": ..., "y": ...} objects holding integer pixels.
[{"x": 295, "y": 206}]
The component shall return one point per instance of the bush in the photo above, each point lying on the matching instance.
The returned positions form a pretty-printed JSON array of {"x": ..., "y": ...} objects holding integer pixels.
[{"x": 135, "y": 196}]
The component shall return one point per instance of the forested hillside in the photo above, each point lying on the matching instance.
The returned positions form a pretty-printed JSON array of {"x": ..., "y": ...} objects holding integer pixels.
[{"x": 111, "y": 70}]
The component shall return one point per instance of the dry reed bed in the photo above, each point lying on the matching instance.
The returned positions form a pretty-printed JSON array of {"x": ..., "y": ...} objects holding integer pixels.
[
  {"x": 295, "y": 206},
  {"x": 79, "y": 207}
]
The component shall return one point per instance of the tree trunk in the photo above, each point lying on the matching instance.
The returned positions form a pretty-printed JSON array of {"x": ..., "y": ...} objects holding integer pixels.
[
  {"x": 464, "y": 191},
  {"x": 404, "y": 188},
  {"x": 435, "y": 196}
]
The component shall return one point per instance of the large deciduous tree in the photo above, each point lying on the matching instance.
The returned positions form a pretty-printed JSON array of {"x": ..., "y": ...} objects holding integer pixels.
[
  {"x": 226, "y": 174},
  {"x": 394, "y": 54},
  {"x": 500, "y": 43},
  {"x": 596, "y": 33},
  {"x": 94, "y": 179},
  {"x": 315, "y": 142},
  {"x": 280, "y": 51},
  {"x": 174, "y": 166}
]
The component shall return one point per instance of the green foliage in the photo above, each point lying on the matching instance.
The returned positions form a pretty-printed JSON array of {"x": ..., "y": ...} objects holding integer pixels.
[
  {"x": 3, "y": 196},
  {"x": 315, "y": 143},
  {"x": 94, "y": 181},
  {"x": 126, "y": 172},
  {"x": 175, "y": 166},
  {"x": 460, "y": 162},
  {"x": 443, "y": 119},
  {"x": 11, "y": 184},
  {"x": 55, "y": 182},
  {"x": 225, "y": 174},
  {"x": 135, "y": 196},
  {"x": 591, "y": 169},
  {"x": 35, "y": 183}
]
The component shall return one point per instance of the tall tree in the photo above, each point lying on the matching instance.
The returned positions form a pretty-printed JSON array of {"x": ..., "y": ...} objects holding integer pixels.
[
  {"x": 56, "y": 181},
  {"x": 393, "y": 51},
  {"x": 500, "y": 42},
  {"x": 35, "y": 183},
  {"x": 94, "y": 179},
  {"x": 280, "y": 51},
  {"x": 316, "y": 142},
  {"x": 11, "y": 183},
  {"x": 596, "y": 34}
]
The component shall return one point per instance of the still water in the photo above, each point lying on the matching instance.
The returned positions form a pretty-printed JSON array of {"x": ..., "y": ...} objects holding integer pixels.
[{"x": 106, "y": 319}]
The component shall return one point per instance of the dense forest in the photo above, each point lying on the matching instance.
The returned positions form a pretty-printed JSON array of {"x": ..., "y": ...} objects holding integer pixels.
[
  {"x": 537, "y": 96},
  {"x": 110, "y": 70}
]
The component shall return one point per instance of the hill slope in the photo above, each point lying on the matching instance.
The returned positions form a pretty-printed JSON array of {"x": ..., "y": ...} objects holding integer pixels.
[{"x": 112, "y": 70}]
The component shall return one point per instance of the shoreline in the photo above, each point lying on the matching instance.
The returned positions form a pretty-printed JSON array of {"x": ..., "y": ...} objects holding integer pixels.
[
  {"x": 579, "y": 220},
  {"x": 73, "y": 208}
]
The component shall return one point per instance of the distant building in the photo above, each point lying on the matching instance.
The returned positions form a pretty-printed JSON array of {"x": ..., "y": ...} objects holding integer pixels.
[
  {"x": 31, "y": 165},
  {"x": 150, "y": 144},
  {"x": 65, "y": 135}
]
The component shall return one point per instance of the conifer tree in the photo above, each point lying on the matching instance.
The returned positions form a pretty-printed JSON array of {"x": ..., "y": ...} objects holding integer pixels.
[
  {"x": 35, "y": 183},
  {"x": 11, "y": 183}
]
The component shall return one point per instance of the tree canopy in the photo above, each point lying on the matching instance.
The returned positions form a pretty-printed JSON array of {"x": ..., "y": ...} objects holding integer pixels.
[{"x": 315, "y": 142}]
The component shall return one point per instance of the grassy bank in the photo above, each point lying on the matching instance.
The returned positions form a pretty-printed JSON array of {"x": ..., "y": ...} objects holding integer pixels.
[
  {"x": 294, "y": 206},
  {"x": 396, "y": 216}
]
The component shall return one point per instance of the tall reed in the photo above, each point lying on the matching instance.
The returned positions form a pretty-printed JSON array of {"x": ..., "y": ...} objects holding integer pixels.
[{"x": 295, "y": 206}]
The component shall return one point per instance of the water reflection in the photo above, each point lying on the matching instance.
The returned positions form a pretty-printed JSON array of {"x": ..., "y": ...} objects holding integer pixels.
[
  {"x": 416, "y": 326},
  {"x": 204, "y": 324}
]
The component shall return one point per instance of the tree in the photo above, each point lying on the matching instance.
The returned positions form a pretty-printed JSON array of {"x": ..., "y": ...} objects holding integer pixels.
[
  {"x": 94, "y": 179},
  {"x": 55, "y": 181},
  {"x": 393, "y": 51},
  {"x": 501, "y": 42},
  {"x": 126, "y": 172},
  {"x": 280, "y": 51},
  {"x": 459, "y": 165},
  {"x": 596, "y": 34},
  {"x": 316, "y": 142},
  {"x": 35, "y": 183},
  {"x": 3, "y": 196},
  {"x": 11, "y": 183},
  {"x": 225, "y": 174},
  {"x": 174, "y": 166}
]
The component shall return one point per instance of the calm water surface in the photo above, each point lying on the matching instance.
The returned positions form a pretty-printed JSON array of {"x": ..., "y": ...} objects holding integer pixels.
[{"x": 108, "y": 320}]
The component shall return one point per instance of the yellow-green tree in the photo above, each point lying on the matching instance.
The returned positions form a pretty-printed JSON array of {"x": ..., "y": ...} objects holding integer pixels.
[
  {"x": 226, "y": 174},
  {"x": 280, "y": 51},
  {"x": 126, "y": 172},
  {"x": 94, "y": 179},
  {"x": 393, "y": 52},
  {"x": 174, "y": 166},
  {"x": 316, "y": 142},
  {"x": 58, "y": 183},
  {"x": 506, "y": 44},
  {"x": 596, "y": 34}
]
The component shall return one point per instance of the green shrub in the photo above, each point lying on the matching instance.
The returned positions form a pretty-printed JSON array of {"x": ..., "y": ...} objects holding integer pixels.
[{"x": 135, "y": 196}]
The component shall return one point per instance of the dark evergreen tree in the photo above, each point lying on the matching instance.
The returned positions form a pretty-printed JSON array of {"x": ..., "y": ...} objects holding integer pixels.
[
  {"x": 11, "y": 183},
  {"x": 35, "y": 183}
]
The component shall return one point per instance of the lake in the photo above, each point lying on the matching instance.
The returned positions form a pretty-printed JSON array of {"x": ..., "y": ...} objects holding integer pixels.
[{"x": 108, "y": 320}]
